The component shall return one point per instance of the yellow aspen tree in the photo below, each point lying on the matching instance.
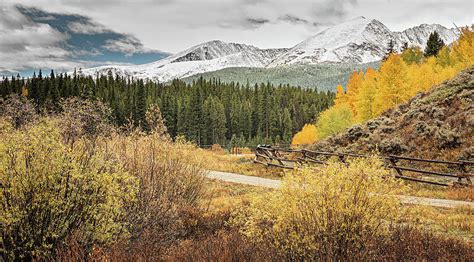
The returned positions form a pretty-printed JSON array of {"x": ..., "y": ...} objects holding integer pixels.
[
  {"x": 341, "y": 96},
  {"x": 392, "y": 85},
  {"x": 463, "y": 49},
  {"x": 353, "y": 86},
  {"x": 365, "y": 106},
  {"x": 334, "y": 120},
  {"x": 412, "y": 55},
  {"x": 306, "y": 136},
  {"x": 421, "y": 77},
  {"x": 444, "y": 58}
]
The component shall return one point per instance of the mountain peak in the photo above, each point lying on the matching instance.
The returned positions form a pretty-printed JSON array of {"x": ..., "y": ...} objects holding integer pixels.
[
  {"x": 357, "y": 41},
  {"x": 418, "y": 35}
]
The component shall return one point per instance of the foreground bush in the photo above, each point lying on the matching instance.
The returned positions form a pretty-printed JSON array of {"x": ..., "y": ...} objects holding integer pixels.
[
  {"x": 83, "y": 118},
  {"x": 51, "y": 193},
  {"x": 18, "y": 110},
  {"x": 171, "y": 179},
  {"x": 323, "y": 213}
]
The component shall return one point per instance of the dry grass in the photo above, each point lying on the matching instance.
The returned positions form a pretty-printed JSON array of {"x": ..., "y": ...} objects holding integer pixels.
[
  {"x": 225, "y": 197},
  {"x": 455, "y": 222},
  {"x": 240, "y": 164},
  {"x": 455, "y": 193}
]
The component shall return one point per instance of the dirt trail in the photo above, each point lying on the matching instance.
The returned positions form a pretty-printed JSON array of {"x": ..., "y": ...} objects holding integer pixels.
[{"x": 273, "y": 183}]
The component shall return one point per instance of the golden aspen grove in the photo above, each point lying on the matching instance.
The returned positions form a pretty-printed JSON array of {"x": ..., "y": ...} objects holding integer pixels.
[{"x": 400, "y": 77}]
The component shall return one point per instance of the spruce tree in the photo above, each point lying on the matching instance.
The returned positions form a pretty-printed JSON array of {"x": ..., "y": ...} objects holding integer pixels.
[
  {"x": 405, "y": 46},
  {"x": 434, "y": 45},
  {"x": 390, "y": 50},
  {"x": 140, "y": 106}
]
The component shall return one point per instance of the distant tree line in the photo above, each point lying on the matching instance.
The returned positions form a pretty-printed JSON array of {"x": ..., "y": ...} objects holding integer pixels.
[{"x": 205, "y": 111}]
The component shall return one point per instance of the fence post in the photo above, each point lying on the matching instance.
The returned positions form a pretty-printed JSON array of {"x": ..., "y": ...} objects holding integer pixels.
[
  {"x": 464, "y": 173},
  {"x": 393, "y": 162}
]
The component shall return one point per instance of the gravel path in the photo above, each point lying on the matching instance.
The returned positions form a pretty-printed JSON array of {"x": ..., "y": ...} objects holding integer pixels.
[{"x": 273, "y": 183}]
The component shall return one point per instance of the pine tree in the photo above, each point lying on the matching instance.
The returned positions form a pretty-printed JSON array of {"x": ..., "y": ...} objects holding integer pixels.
[
  {"x": 286, "y": 126},
  {"x": 140, "y": 106},
  {"x": 390, "y": 50},
  {"x": 434, "y": 44},
  {"x": 405, "y": 46}
]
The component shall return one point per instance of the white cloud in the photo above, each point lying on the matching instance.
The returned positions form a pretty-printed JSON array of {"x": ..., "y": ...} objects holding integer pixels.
[
  {"x": 128, "y": 45},
  {"x": 25, "y": 44},
  {"x": 87, "y": 28}
]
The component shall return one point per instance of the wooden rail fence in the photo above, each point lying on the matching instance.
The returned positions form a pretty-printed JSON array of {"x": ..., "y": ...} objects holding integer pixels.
[{"x": 453, "y": 173}]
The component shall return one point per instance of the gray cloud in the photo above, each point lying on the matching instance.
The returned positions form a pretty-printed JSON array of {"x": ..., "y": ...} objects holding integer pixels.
[
  {"x": 293, "y": 19},
  {"x": 331, "y": 11},
  {"x": 174, "y": 25},
  {"x": 255, "y": 22}
]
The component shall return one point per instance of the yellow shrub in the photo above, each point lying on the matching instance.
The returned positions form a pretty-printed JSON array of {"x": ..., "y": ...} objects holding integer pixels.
[
  {"x": 325, "y": 212},
  {"x": 50, "y": 192}
]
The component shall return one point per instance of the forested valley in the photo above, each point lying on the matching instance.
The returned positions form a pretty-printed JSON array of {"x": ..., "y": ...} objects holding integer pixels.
[{"x": 205, "y": 111}]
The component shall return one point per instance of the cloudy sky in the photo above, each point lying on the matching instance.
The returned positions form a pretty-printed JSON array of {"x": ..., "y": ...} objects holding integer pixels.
[{"x": 137, "y": 31}]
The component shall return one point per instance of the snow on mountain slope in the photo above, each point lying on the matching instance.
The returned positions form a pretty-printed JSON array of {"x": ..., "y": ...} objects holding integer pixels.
[
  {"x": 209, "y": 56},
  {"x": 418, "y": 35},
  {"x": 360, "y": 40},
  {"x": 356, "y": 41}
]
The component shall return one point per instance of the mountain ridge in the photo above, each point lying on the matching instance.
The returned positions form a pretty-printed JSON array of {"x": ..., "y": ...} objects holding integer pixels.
[{"x": 357, "y": 41}]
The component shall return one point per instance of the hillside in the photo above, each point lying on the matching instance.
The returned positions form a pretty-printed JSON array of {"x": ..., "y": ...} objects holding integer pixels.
[
  {"x": 323, "y": 77},
  {"x": 436, "y": 124}
]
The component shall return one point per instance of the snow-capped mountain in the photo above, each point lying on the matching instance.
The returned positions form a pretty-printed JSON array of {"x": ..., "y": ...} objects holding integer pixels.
[
  {"x": 360, "y": 40},
  {"x": 209, "y": 56},
  {"x": 356, "y": 41},
  {"x": 418, "y": 35}
]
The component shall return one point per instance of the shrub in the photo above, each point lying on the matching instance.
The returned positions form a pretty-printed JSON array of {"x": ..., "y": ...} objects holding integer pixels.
[
  {"x": 171, "y": 178},
  {"x": 50, "y": 192},
  {"x": 156, "y": 123},
  {"x": 18, "y": 110},
  {"x": 322, "y": 213},
  {"x": 447, "y": 138},
  {"x": 84, "y": 118},
  {"x": 222, "y": 246},
  {"x": 411, "y": 244}
]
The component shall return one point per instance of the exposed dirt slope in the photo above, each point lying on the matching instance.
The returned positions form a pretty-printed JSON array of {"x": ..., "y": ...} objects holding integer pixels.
[{"x": 437, "y": 124}]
